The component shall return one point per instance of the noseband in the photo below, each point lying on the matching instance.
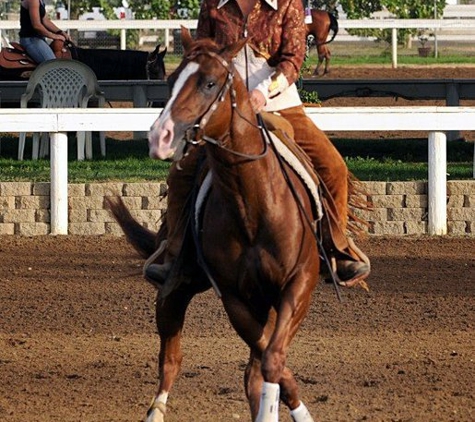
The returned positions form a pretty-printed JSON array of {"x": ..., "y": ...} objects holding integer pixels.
[{"x": 227, "y": 86}]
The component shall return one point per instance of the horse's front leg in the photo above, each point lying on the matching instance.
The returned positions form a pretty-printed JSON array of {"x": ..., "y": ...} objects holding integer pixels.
[
  {"x": 170, "y": 317},
  {"x": 263, "y": 396},
  {"x": 289, "y": 392},
  {"x": 295, "y": 301}
]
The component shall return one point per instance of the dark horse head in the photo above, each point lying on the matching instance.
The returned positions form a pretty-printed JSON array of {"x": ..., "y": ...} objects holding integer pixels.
[{"x": 156, "y": 64}]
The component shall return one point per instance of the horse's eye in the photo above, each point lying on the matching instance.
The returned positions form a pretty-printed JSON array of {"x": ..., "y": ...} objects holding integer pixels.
[{"x": 210, "y": 85}]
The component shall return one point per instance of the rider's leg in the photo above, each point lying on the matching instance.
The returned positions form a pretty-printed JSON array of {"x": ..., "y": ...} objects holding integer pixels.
[
  {"x": 181, "y": 179},
  {"x": 332, "y": 169},
  {"x": 38, "y": 49}
]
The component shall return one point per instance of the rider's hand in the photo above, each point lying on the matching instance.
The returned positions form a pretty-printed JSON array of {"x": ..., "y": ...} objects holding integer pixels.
[
  {"x": 258, "y": 101},
  {"x": 62, "y": 36}
]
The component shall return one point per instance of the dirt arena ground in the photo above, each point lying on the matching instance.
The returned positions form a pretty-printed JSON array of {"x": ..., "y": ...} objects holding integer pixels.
[{"x": 78, "y": 341}]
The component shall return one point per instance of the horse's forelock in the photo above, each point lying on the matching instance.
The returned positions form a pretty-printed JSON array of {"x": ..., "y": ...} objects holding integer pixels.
[{"x": 202, "y": 46}]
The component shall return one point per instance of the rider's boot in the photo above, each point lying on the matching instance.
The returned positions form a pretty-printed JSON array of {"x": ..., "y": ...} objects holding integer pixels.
[
  {"x": 350, "y": 272},
  {"x": 159, "y": 273},
  {"x": 350, "y": 266}
]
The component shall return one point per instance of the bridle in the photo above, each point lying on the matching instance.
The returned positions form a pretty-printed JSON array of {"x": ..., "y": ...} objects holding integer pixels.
[{"x": 197, "y": 135}]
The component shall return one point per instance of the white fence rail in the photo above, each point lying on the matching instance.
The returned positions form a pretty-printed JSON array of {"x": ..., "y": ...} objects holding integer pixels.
[
  {"x": 167, "y": 25},
  {"x": 434, "y": 120}
]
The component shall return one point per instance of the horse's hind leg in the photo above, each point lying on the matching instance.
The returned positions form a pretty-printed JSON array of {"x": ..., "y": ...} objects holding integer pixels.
[
  {"x": 170, "y": 317},
  {"x": 328, "y": 56},
  {"x": 321, "y": 57}
]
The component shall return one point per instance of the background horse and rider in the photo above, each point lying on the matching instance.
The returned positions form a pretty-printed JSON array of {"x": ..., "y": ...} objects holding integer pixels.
[
  {"x": 323, "y": 23},
  {"x": 107, "y": 64},
  {"x": 253, "y": 233}
]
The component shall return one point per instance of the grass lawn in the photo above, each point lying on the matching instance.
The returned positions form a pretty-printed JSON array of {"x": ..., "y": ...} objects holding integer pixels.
[{"x": 128, "y": 161}]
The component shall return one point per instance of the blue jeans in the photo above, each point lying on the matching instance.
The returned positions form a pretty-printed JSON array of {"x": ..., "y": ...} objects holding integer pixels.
[{"x": 37, "y": 48}]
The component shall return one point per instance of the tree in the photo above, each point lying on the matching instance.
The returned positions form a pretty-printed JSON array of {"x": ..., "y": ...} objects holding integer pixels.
[
  {"x": 78, "y": 7},
  {"x": 329, "y": 5},
  {"x": 402, "y": 9},
  {"x": 154, "y": 9}
]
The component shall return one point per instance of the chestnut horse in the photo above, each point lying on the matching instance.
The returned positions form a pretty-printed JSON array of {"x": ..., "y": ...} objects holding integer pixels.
[
  {"x": 256, "y": 240},
  {"x": 322, "y": 23}
]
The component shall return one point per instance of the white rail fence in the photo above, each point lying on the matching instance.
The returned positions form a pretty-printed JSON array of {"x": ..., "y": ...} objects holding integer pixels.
[
  {"x": 167, "y": 25},
  {"x": 434, "y": 120}
]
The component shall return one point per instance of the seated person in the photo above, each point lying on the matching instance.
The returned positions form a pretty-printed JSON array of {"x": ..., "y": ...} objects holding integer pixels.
[{"x": 35, "y": 27}]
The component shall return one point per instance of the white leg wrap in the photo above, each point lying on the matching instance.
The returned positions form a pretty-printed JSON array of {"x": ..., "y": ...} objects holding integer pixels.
[
  {"x": 301, "y": 414},
  {"x": 269, "y": 405},
  {"x": 158, "y": 408}
]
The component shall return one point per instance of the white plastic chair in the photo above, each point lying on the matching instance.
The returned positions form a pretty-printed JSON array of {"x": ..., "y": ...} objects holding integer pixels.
[{"x": 62, "y": 83}]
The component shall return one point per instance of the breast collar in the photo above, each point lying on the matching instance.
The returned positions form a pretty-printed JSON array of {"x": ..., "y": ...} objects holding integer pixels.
[{"x": 271, "y": 3}]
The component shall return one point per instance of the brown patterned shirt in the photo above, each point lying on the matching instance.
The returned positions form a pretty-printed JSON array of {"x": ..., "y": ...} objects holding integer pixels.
[{"x": 275, "y": 28}]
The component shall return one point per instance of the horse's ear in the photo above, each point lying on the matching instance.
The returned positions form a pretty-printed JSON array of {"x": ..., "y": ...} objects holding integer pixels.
[
  {"x": 156, "y": 53},
  {"x": 186, "y": 38},
  {"x": 153, "y": 55},
  {"x": 231, "y": 50}
]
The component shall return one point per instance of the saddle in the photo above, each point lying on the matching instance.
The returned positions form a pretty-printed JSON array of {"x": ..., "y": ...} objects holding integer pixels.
[{"x": 16, "y": 58}]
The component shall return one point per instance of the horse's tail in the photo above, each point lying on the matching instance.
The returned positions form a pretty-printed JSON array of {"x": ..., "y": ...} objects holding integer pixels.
[
  {"x": 333, "y": 28},
  {"x": 333, "y": 25},
  {"x": 142, "y": 239}
]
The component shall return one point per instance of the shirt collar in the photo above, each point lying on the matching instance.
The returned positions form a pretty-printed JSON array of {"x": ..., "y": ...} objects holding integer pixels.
[{"x": 271, "y": 3}]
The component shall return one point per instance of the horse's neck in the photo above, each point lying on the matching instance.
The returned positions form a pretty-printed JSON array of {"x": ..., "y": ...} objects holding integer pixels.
[
  {"x": 114, "y": 64},
  {"x": 240, "y": 178}
]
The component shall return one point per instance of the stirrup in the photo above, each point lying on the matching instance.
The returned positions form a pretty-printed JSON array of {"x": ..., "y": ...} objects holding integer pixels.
[
  {"x": 354, "y": 280},
  {"x": 158, "y": 274}
]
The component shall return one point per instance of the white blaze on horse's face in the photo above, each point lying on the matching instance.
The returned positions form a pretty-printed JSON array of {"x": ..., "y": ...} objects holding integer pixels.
[{"x": 161, "y": 138}]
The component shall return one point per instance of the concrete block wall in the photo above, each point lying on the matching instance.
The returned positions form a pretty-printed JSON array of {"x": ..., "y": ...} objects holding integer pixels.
[
  {"x": 25, "y": 207},
  {"x": 399, "y": 208}
]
